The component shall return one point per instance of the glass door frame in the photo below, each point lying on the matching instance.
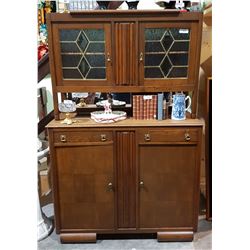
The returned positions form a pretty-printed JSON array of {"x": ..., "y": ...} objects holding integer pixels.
[
  {"x": 171, "y": 84},
  {"x": 60, "y": 81}
]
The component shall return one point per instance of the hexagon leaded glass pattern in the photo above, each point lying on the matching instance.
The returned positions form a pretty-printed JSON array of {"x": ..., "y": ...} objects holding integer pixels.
[
  {"x": 166, "y": 52},
  {"x": 83, "y": 53}
]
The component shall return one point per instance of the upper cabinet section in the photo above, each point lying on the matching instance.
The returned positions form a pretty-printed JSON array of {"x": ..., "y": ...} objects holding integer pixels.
[{"x": 122, "y": 51}]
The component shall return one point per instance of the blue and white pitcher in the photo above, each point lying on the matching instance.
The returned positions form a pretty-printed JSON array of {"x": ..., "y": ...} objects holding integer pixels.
[{"x": 179, "y": 106}]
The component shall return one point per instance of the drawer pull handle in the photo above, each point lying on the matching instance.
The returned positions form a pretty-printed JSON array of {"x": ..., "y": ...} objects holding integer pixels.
[
  {"x": 141, "y": 184},
  {"x": 103, "y": 137},
  {"x": 110, "y": 187},
  {"x": 63, "y": 138},
  {"x": 187, "y": 137},
  {"x": 147, "y": 137}
]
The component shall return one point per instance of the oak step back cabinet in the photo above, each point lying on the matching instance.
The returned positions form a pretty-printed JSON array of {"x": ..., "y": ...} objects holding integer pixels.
[{"x": 132, "y": 176}]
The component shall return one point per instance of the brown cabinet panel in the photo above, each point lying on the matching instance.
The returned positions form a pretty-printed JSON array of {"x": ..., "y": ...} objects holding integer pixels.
[
  {"x": 125, "y": 53},
  {"x": 168, "y": 174},
  {"x": 83, "y": 177},
  {"x": 126, "y": 179}
]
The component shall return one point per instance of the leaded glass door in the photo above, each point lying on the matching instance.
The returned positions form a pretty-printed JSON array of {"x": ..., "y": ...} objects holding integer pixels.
[
  {"x": 83, "y": 54},
  {"x": 167, "y": 53}
]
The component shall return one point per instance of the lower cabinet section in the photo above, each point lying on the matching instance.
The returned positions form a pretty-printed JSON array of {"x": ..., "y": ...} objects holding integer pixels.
[{"x": 125, "y": 180}]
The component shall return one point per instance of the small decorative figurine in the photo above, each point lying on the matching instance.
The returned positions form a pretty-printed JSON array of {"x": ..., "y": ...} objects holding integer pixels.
[
  {"x": 81, "y": 103},
  {"x": 107, "y": 108}
]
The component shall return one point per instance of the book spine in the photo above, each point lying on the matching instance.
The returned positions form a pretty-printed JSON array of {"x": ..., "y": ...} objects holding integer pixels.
[
  {"x": 144, "y": 109},
  {"x": 141, "y": 107},
  {"x": 137, "y": 107},
  {"x": 160, "y": 107},
  {"x": 148, "y": 109},
  {"x": 151, "y": 108},
  {"x": 134, "y": 107},
  {"x": 154, "y": 106}
]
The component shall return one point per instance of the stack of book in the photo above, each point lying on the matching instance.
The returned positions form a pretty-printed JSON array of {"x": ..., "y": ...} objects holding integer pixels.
[
  {"x": 144, "y": 107},
  {"x": 147, "y": 107}
]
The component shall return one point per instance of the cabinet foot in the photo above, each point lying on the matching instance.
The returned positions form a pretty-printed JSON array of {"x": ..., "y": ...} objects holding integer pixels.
[
  {"x": 78, "y": 237},
  {"x": 175, "y": 236}
]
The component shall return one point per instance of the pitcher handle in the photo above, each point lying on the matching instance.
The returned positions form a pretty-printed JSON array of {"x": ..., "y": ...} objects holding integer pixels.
[{"x": 189, "y": 102}]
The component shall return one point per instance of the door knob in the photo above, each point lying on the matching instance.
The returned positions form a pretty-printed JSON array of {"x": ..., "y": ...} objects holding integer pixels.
[
  {"x": 110, "y": 186},
  {"x": 141, "y": 184}
]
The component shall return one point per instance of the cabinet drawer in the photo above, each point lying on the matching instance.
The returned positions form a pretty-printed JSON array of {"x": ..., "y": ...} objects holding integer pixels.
[
  {"x": 83, "y": 136},
  {"x": 169, "y": 135}
]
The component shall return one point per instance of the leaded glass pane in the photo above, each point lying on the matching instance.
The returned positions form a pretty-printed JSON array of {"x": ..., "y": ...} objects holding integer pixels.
[
  {"x": 153, "y": 73},
  {"x": 82, "y": 41},
  {"x": 153, "y": 47},
  {"x": 83, "y": 54},
  {"x": 96, "y": 73},
  {"x": 69, "y": 47},
  {"x": 179, "y": 58},
  {"x": 69, "y": 35},
  {"x": 95, "y": 47},
  {"x": 70, "y": 60},
  {"x": 83, "y": 67},
  {"x": 166, "y": 48},
  {"x": 180, "y": 34},
  {"x": 71, "y": 74},
  {"x": 95, "y": 34},
  {"x": 167, "y": 41},
  {"x": 178, "y": 72},
  {"x": 180, "y": 46},
  {"x": 166, "y": 66},
  {"x": 95, "y": 60},
  {"x": 153, "y": 59},
  {"x": 154, "y": 34}
]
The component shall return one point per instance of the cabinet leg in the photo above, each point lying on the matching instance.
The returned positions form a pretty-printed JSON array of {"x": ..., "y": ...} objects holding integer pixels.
[
  {"x": 78, "y": 237},
  {"x": 175, "y": 236}
]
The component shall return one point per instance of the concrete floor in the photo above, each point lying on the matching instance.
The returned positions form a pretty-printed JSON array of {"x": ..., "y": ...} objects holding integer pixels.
[{"x": 202, "y": 240}]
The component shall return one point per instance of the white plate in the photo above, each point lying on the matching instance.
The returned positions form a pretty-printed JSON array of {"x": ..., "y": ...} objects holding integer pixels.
[{"x": 115, "y": 103}]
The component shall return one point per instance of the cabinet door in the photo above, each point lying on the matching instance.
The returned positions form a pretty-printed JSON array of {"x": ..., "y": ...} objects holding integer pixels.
[
  {"x": 168, "y": 55},
  {"x": 85, "y": 195},
  {"x": 82, "y": 54},
  {"x": 168, "y": 174}
]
